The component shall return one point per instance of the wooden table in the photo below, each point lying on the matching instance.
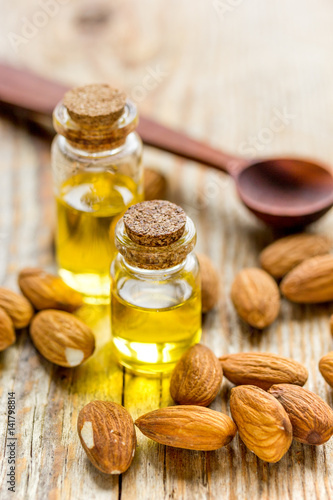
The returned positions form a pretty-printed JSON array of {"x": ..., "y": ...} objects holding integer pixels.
[{"x": 254, "y": 78}]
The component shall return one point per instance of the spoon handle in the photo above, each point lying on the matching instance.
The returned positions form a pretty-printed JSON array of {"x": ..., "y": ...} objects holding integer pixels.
[
  {"x": 24, "y": 90},
  {"x": 162, "y": 137}
]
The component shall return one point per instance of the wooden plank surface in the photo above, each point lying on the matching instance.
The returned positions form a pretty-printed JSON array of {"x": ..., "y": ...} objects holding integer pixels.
[{"x": 225, "y": 71}]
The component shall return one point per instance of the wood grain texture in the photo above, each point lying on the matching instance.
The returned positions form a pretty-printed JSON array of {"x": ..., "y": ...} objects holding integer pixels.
[{"x": 230, "y": 72}]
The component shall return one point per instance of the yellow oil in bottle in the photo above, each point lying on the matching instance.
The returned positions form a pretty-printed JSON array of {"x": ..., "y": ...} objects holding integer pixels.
[
  {"x": 153, "y": 330},
  {"x": 89, "y": 205}
]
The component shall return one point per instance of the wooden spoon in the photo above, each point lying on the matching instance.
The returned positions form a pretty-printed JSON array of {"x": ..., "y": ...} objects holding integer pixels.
[{"x": 283, "y": 192}]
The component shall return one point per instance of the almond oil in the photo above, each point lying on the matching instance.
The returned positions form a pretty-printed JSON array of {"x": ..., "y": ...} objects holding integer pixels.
[
  {"x": 88, "y": 207},
  {"x": 152, "y": 330},
  {"x": 155, "y": 293},
  {"x": 97, "y": 174}
]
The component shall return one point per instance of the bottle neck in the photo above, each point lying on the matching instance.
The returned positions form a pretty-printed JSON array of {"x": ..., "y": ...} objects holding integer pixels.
[
  {"x": 131, "y": 145},
  {"x": 158, "y": 274},
  {"x": 96, "y": 138}
]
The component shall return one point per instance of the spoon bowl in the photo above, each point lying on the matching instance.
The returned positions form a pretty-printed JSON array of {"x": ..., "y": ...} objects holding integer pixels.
[{"x": 285, "y": 192}]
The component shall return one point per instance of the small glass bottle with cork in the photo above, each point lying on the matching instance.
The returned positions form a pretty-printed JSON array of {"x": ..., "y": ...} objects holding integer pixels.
[
  {"x": 155, "y": 293},
  {"x": 97, "y": 172}
]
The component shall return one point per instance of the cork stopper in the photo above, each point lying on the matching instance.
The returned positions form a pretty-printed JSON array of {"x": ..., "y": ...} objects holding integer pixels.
[
  {"x": 155, "y": 235},
  {"x": 95, "y": 104},
  {"x": 155, "y": 223},
  {"x": 95, "y": 118}
]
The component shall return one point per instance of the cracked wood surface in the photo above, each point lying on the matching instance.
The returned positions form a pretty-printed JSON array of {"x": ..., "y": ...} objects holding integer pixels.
[{"x": 227, "y": 74}]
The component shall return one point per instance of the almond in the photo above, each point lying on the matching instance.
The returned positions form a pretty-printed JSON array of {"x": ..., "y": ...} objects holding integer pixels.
[
  {"x": 256, "y": 297},
  {"x": 188, "y": 427},
  {"x": 62, "y": 338},
  {"x": 154, "y": 184},
  {"x": 286, "y": 253},
  {"x": 47, "y": 291},
  {"x": 107, "y": 434},
  {"x": 311, "y": 281},
  {"x": 209, "y": 283},
  {"x": 310, "y": 416},
  {"x": 17, "y": 307},
  {"x": 7, "y": 332},
  {"x": 262, "y": 422},
  {"x": 262, "y": 369},
  {"x": 326, "y": 368},
  {"x": 197, "y": 377}
]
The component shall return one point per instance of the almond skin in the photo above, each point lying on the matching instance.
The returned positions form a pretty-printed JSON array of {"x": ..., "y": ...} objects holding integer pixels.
[
  {"x": 262, "y": 422},
  {"x": 256, "y": 297},
  {"x": 17, "y": 307},
  {"x": 286, "y": 253},
  {"x": 310, "y": 282},
  {"x": 154, "y": 184},
  {"x": 209, "y": 283},
  {"x": 197, "y": 377},
  {"x": 47, "y": 291},
  {"x": 310, "y": 416},
  {"x": 107, "y": 434},
  {"x": 7, "y": 332},
  {"x": 262, "y": 369},
  {"x": 188, "y": 427},
  {"x": 62, "y": 338},
  {"x": 326, "y": 367}
]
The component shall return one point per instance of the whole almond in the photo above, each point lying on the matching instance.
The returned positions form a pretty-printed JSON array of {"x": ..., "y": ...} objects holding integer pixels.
[
  {"x": 47, "y": 291},
  {"x": 188, "y": 427},
  {"x": 17, "y": 307},
  {"x": 62, "y": 338},
  {"x": 107, "y": 434},
  {"x": 262, "y": 369},
  {"x": 154, "y": 184},
  {"x": 197, "y": 377},
  {"x": 262, "y": 422},
  {"x": 286, "y": 253},
  {"x": 209, "y": 283},
  {"x": 326, "y": 367},
  {"x": 310, "y": 282},
  {"x": 256, "y": 297},
  {"x": 7, "y": 332},
  {"x": 310, "y": 416}
]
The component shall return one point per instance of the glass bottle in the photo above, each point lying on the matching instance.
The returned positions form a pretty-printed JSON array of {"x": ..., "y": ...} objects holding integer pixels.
[
  {"x": 155, "y": 291},
  {"x": 97, "y": 174}
]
